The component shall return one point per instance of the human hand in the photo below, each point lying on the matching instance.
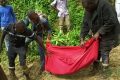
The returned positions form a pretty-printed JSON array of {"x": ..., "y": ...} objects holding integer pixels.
[
  {"x": 82, "y": 42},
  {"x": 96, "y": 36},
  {"x": 48, "y": 38}
]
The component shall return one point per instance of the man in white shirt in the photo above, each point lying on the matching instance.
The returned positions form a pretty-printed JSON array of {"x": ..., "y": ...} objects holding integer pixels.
[
  {"x": 117, "y": 7},
  {"x": 61, "y": 7}
]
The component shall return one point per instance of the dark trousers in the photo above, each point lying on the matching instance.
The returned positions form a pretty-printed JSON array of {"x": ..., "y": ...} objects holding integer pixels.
[
  {"x": 41, "y": 52},
  {"x": 42, "y": 57},
  {"x": 105, "y": 57},
  {"x": 12, "y": 54}
]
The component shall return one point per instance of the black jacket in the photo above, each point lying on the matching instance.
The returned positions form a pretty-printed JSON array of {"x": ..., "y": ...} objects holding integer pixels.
[{"x": 103, "y": 20}]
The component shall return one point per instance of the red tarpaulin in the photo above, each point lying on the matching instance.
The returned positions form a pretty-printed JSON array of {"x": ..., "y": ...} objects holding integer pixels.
[{"x": 69, "y": 59}]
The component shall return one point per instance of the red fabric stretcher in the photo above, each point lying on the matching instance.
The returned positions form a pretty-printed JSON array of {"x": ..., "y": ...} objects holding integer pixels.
[{"x": 62, "y": 60}]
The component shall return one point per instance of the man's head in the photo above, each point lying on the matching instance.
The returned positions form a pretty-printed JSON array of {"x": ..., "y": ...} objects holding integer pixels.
[
  {"x": 3, "y": 2},
  {"x": 90, "y": 5},
  {"x": 34, "y": 17},
  {"x": 20, "y": 27}
]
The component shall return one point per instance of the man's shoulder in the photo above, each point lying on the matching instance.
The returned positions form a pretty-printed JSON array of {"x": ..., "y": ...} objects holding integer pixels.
[
  {"x": 103, "y": 3},
  {"x": 9, "y": 6},
  {"x": 5, "y": 7},
  {"x": 9, "y": 27}
]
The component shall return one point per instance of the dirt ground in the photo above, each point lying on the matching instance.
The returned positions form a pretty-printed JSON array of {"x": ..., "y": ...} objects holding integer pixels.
[{"x": 112, "y": 73}]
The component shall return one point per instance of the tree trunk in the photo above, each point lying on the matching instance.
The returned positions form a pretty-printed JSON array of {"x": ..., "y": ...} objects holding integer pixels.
[{"x": 2, "y": 74}]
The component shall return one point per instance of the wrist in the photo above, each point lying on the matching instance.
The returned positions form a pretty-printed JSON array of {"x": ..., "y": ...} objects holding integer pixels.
[{"x": 82, "y": 39}]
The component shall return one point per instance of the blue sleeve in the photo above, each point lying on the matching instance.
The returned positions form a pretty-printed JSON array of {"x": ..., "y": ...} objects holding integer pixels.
[
  {"x": 0, "y": 20},
  {"x": 13, "y": 14}
]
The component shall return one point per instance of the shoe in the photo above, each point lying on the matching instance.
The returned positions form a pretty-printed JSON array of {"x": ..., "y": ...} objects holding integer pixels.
[
  {"x": 12, "y": 75},
  {"x": 105, "y": 66},
  {"x": 26, "y": 72}
]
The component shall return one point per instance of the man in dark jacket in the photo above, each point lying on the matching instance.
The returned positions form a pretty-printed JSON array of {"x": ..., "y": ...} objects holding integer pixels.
[
  {"x": 100, "y": 20},
  {"x": 17, "y": 34}
]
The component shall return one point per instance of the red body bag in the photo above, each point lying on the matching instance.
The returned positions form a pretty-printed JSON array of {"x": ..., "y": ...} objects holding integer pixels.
[{"x": 69, "y": 59}]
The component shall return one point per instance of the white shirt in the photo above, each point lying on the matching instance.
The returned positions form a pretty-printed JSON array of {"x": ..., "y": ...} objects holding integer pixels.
[
  {"x": 117, "y": 7},
  {"x": 117, "y": 1},
  {"x": 61, "y": 5}
]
